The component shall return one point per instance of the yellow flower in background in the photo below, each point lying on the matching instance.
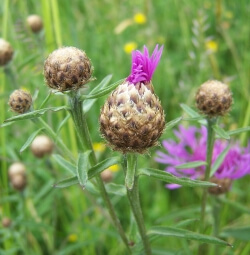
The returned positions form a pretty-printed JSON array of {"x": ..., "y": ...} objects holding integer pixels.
[
  {"x": 114, "y": 168},
  {"x": 99, "y": 147},
  {"x": 211, "y": 46},
  {"x": 129, "y": 47},
  {"x": 72, "y": 238},
  {"x": 140, "y": 18}
]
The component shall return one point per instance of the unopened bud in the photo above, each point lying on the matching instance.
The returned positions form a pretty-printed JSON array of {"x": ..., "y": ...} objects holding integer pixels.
[
  {"x": 67, "y": 68},
  {"x": 19, "y": 182},
  {"x": 107, "y": 175},
  {"x": 16, "y": 168},
  {"x": 41, "y": 146},
  {"x": 214, "y": 98},
  {"x": 20, "y": 101},
  {"x": 35, "y": 23},
  {"x": 224, "y": 186},
  {"x": 6, "y": 52},
  {"x": 6, "y": 222}
]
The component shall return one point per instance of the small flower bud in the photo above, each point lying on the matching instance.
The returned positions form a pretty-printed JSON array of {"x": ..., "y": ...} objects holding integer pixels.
[
  {"x": 214, "y": 98},
  {"x": 35, "y": 23},
  {"x": 6, "y": 222},
  {"x": 6, "y": 52},
  {"x": 41, "y": 146},
  {"x": 67, "y": 68},
  {"x": 20, "y": 101},
  {"x": 19, "y": 182},
  {"x": 224, "y": 186},
  {"x": 16, "y": 168},
  {"x": 107, "y": 175}
]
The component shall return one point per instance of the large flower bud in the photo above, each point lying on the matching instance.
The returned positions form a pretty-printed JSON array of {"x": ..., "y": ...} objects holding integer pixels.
[
  {"x": 132, "y": 119},
  {"x": 6, "y": 52},
  {"x": 67, "y": 68},
  {"x": 214, "y": 98},
  {"x": 35, "y": 23},
  {"x": 41, "y": 146},
  {"x": 20, "y": 101}
]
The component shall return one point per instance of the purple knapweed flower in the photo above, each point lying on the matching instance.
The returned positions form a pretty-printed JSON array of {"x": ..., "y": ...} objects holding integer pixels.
[
  {"x": 192, "y": 147},
  {"x": 143, "y": 66}
]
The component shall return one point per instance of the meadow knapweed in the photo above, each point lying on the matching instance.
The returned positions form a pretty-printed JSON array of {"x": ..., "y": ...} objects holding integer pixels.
[
  {"x": 67, "y": 68},
  {"x": 41, "y": 146},
  {"x": 6, "y": 52},
  {"x": 35, "y": 23},
  {"x": 132, "y": 118},
  {"x": 192, "y": 147},
  {"x": 214, "y": 98},
  {"x": 20, "y": 101}
]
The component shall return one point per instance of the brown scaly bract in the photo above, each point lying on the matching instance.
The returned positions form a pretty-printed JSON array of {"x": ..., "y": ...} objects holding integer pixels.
[
  {"x": 20, "y": 101},
  {"x": 132, "y": 119},
  {"x": 67, "y": 68},
  {"x": 214, "y": 98}
]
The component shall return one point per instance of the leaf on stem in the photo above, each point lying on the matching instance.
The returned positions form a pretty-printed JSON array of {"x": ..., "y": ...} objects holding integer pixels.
[
  {"x": 238, "y": 131},
  {"x": 193, "y": 164},
  {"x": 221, "y": 132},
  {"x": 167, "y": 177},
  {"x": 192, "y": 113},
  {"x": 172, "y": 123},
  {"x": 64, "y": 163},
  {"x": 186, "y": 234},
  {"x": 116, "y": 189},
  {"x": 35, "y": 114},
  {"x": 66, "y": 182},
  {"x": 83, "y": 168},
  {"x": 30, "y": 140}
]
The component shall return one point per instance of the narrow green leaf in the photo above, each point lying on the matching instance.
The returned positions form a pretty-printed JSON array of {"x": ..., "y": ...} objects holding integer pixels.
[
  {"x": 221, "y": 132},
  {"x": 190, "y": 111},
  {"x": 102, "y": 92},
  {"x": 235, "y": 205},
  {"x": 83, "y": 167},
  {"x": 193, "y": 164},
  {"x": 102, "y": 166},
  {"x": 184, "y": 223},
  {"x": 183, "y": 233},
  {"x": 45, "y": 100},
  {"x": 62, "y": 123},
  {"x": 219, "y": 160},
  {"x": 30, "y": 140},
  {"x": 88, "y": 103},
  {"x": 167, "y": 177},
  {"x": 172, "y": 123},
  {"x": 238, "y": 131},
  {"x": 64, "y": 163},
  {"x": 35, "y": 114},
  {"x": 240, "y": 233},
  {"x": 66, "y": 182},
  {"x": 92, "y": 189},
  {"x": 116, "y": 189}
]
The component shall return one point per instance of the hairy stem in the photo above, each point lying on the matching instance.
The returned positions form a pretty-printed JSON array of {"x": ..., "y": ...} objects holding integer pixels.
[
  {"x": 86, "y": 144},
  {"x": 134, "y": 199}
]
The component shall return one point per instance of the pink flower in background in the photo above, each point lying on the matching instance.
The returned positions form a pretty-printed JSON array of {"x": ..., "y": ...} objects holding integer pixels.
[
  {"x": 143, "y": 66},
  {"x": 192, "y": 147}
]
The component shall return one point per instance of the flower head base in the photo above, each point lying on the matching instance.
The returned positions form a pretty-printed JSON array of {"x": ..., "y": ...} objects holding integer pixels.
[
  {"x": 143, "y": 66},
  {"x": 192, "y": 147}
]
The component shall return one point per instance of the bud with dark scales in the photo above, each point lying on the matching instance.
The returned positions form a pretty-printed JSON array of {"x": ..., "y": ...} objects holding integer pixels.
[
  {"x": 67, "y": 69},
  {"x": 6, "y": 52},
  {"x": 132, "y": 119},
  {"x": 35, "y": 23},
  {"x": 41, "y": 146},
  {"x": 20, "y": 101},
  {"x": 214, "y": 98}
]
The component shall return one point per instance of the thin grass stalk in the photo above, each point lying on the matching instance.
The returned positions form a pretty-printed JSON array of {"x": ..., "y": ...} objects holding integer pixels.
[
  {"x": 134, "y": 200},
  {"x": 86, "y": 144}
]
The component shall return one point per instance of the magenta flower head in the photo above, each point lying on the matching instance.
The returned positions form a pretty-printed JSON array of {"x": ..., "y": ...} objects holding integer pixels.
[
  {"x": 132, "y": 119},
  {"x": 143, "y": 66},
  {"x": 192, "y": 147}
]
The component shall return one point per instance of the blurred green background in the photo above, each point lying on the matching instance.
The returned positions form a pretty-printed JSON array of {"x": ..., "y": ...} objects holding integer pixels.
[{"x": 202, "y": 40}]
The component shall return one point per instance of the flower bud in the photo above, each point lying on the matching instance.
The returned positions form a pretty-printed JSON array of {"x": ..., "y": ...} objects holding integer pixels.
[
  {"x": 132, "y": 118},
  {"x": 107, "y": 175},
  {"x": 16, "y": 168},
  {"x": 6, "y": 222},
  {"x": 67, "y": 68},
  {"x": 214, "y": 98},
  {"x": 6, "y": 52},
  {"x": 224, "y": 186},
  {"x": 20, "y": 101},
  {"x": 19, "y": 182},
  {"x": 35, "y": 23},
  {"x": 41, "y": 146}
]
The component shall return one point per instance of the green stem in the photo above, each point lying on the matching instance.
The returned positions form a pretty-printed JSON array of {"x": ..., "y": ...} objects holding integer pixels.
[
  {"x": 209, "y": 154},
  {"x": 134, "y": 199},
  {"x": 86, "y": 144}
]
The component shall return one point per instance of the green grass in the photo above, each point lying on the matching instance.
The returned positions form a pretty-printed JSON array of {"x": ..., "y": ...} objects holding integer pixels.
[{"x": 43, "y": 222}]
